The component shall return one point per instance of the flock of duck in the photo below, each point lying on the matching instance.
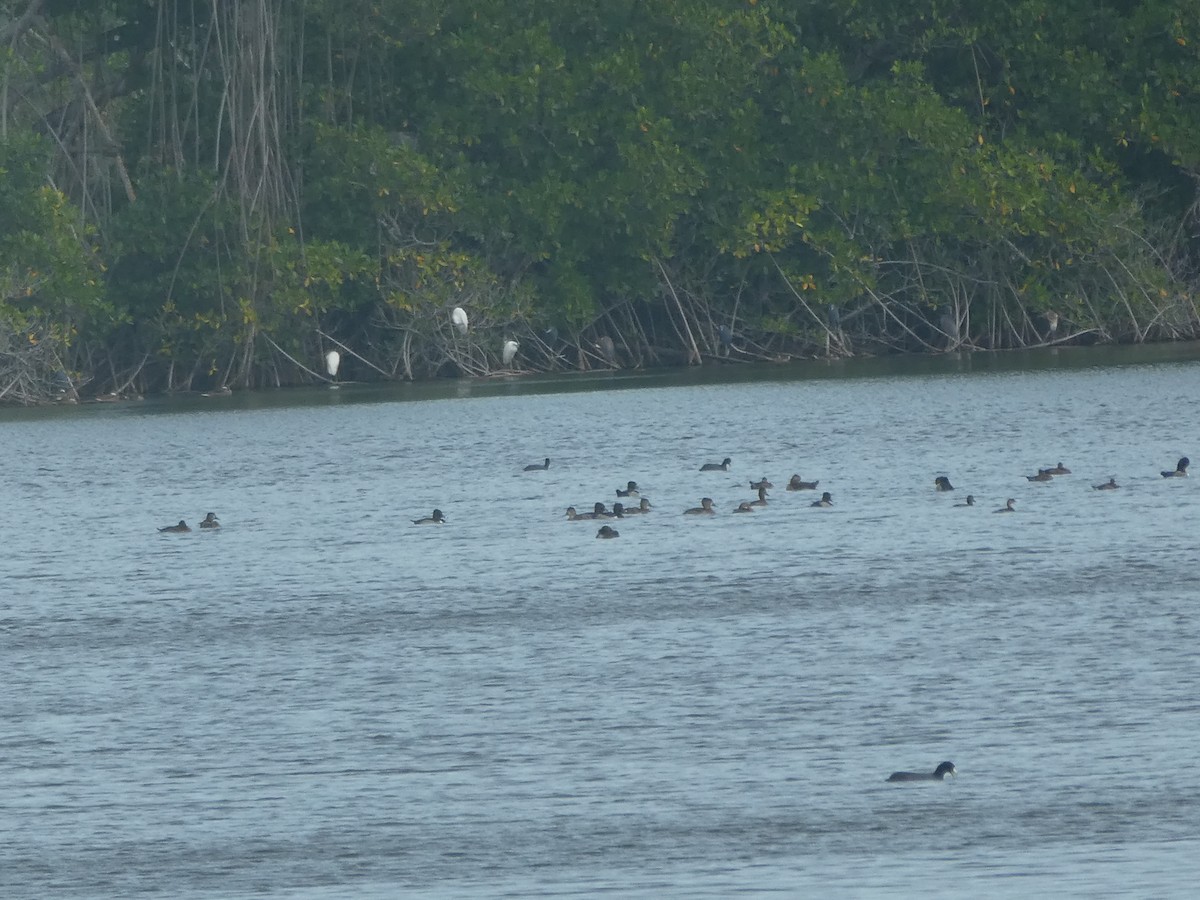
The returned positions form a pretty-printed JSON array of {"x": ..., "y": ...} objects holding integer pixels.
[{"x": 631, "y": 492}]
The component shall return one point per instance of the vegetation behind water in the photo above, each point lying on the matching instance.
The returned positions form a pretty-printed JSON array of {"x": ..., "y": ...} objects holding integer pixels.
[{"x": 197, "y": 194}]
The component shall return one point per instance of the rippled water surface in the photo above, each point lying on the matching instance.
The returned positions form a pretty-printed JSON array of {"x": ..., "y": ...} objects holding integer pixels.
[{"x": 324, "y": 700}]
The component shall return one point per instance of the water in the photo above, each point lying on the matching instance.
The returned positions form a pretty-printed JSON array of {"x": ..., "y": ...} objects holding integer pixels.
[{"x": 323, "y": 700}]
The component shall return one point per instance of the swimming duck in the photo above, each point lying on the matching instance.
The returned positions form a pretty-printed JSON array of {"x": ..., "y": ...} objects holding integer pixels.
[
  {"x": 744, "y": 506},
  {"x": 1110, "y": 485},
  {"x": 704, "y": 509},
  {"x": 1008, "y": 506},
  {"x": 607, "y": 531},
  {"x": 618, "y": 510},
  {"x": 795, "y": 484},
  {"x": 826, "y": 500},
  {"x": 970, "y": 501},
  {"x": 642, "y": 507},
  {"x": 762, "y": 498},
  {"x": 535, "y": 467},
  {"x": 631, "y": 490},
  {"x": 176, "y": 529},
  {"x": 210, "y": 521},
  {"x": 938, "y": 774},
  {"x": 573, "y": 516},
  {"x": 759, "y": 485},
  {"x": 1060, "y": 469},
  {"x": 1180, "y": 469},
  {"x": 600, "y": 511},
  {"x": 436, "y": 518},
  {"x": 722, "y": 466},
  {"x": 1042, "y": 475},
  {"x": 942, "y": 483}
]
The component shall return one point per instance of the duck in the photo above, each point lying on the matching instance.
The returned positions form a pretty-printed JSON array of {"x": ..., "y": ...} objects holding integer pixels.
[
  {"x": 618, "y": 510},
  {"x": 1042, "y": 475},
  {"x": 631, "y": 490},
  {"x": 1181, "y": 468},
  {"x": 573, "y": 516},
  {"x": 1110, "y": 485},
  {"x": 826, "y": 500},
  {"x": 538, "y": 467},
  {"x": 744, "y": 507},
  {"x": 759, "y": 485},
  {"x": 795, "y": 484},
  {"x": 642, "y": 507},
  {"x": 176, "y": 529},
  {"x": 938, "y": 774},
  {"x": 969, "y": 502},
  {"x": 704, "y": 509},
  {"x": 942, "y": 483},
  {"x": 1008, "y": 506},
  {"x": 1060, "y": 469},
  {"x": 600, "y": 511},
  {"x": 435, "y": 518},
  {"x": 762, "y": 498},
  {"x": 722, "y": 466},
  {"x": 607, "y": 531},
  {"x": 210, "y": 521}
]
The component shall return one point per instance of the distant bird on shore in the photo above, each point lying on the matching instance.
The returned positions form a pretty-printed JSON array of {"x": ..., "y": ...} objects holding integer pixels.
[
  {"x": 538, "y": 467},
  {"x": 176, "y": 529},
  {"x": 509, "y": 352},
  {"x": 458, "y": 318},
  {"x": 1181, "y": 468},
  {"x": 435, "y": 518},
  {"x": 938, "y": 774},
  {"x": 722, "y": 466}
]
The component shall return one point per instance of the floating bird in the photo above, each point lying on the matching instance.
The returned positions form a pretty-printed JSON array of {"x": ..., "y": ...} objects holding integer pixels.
[
  {"x": 458, "y": 318},
  {"x": 436, "y": 518},
  {"x": 176, "y": 529},
  {"x": 538, "y": 467},
  {"x": 942, "y": 483},
  {"x": 210, "y": 521},
  {"x": 631, "y": 490},
  {"x": 572, "y": 515},
  {"x": 1181, "y": 468},
  {"x": 795, "y": 484},
  {"x": 756, "y": 485},
  {"x": 599, "y": 511},
  {"x": 1060, "y": 469},
  {"x": 618, "y": 510},
  {"x": 970, "y": 501},
  {"x": 607, "y": 532},
  {"x": 333, "y": 361},
  {"x": 1110, "y": 485},
  {"x": 825, "y": 501},
  {"x": 744, "y": 507},
  {"x": 642, "y": 507},
  {"x": 1008, "y": 506},
  {"x": 722, "y": 466},
  {"x": 509, "y": 352},
  {"x": 1042, "y": 475},
  {"x": 762, "y": 498},
  {"x": 704, "y": 509},
  {"x": 938, "y": 774}
]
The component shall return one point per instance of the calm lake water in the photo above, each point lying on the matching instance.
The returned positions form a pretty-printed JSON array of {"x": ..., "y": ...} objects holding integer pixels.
[{"x": 323, "y": 700}]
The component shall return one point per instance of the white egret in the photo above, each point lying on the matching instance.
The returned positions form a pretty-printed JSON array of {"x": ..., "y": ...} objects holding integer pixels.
[
  {"x": 333, "y": 360},
  {"x": 458, "y": 317},
  {"x": 509, "y": 352}
]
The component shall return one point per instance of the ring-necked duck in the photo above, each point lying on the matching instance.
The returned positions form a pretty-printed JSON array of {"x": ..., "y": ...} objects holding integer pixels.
[
  {"x": 795, "y": 484},
  {"x": 436, "y": 518},
  {"x": 1110, "y": 485},
  {"x": 1008, "y": 506},
  {"x": 722, "y": 466},
  {"x": 762, "y": 498},
  {"x": 176, "y": 529},
  {"x": 1181, "y": 468},
  {"x": 607, "y": 531},
  {"x": 631, "y": 490},
  {"x": 642, "y": 507},
  {"x": 758, "y": 485},
  {"x": 704, "y": 509},
  {"x": 573, "y": 516},
  {"x": 210, "y": 521},
  {"x": 534, "y": 467},
  {"x": 942, "y": 483},
  {"x": 970, "y": 501},
  {"x": 938, "y": 774},
  {"x": 1042, "y": 475},
  {"x": 600, "y": 511},
  {"x": 744, "y": 506},
  {"x": 826, "y": 500},
  {"x": 1060, "y": 469},
  {"x": 618, "y": 510}
]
